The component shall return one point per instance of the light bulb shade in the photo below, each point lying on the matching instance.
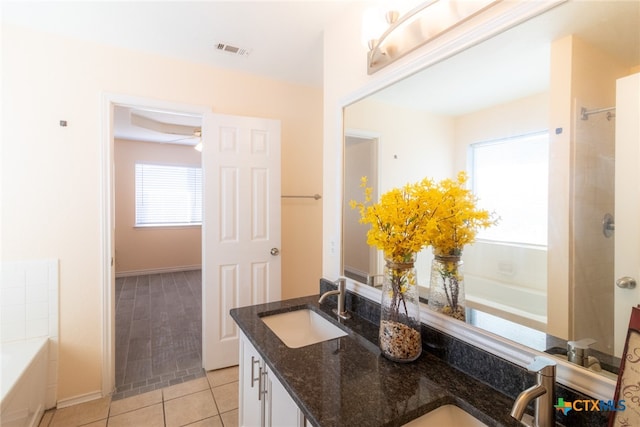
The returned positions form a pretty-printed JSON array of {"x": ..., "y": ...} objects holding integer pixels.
[
  {"x": 373, "y": 24},
  {"x": 417, "y": 27},
  {"x": 391, "y": 16}
]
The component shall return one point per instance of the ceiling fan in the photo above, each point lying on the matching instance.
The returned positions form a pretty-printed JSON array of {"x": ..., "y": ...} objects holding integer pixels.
[
  {"x": 196, "y": 135},
  {"x": 167, "y": 132},
  {"x": 189, "y": 139}
]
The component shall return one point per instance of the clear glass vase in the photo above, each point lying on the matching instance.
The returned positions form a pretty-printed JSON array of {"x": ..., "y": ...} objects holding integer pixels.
[
  {"x": 446, "y": 293},
  {"x": 400, "y": 337}
]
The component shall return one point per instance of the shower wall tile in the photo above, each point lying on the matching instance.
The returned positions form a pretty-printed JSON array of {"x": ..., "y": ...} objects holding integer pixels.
[
  {"x": 37, "y": 327},
  {"x": 29, "y": 309},
  {"x": 37, "y": 310},
  {"x": 13, "y": 323},
  {"x": 37, "y": 293},
  {"x": 12, "y": 276},
  {"x": 12, "y": 296}
]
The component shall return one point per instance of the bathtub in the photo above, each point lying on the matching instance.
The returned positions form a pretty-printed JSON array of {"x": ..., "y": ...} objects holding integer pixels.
[
  {"x": 24, "y": 382},
  {"x": 518, "y": 304}
]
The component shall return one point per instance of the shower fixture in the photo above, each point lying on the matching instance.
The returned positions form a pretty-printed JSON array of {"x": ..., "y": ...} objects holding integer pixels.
[{"x": 584, "y": 113}]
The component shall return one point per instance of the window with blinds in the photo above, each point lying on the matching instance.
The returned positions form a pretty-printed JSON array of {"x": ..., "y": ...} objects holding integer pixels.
[{"x": 168, "y": 195}]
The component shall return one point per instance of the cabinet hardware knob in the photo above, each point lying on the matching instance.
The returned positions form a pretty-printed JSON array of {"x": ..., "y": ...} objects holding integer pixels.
[{"x": 253, "y": 364}]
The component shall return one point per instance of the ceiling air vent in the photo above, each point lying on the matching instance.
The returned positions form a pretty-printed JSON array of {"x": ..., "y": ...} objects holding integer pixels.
[{"x": 233, "y": 50}]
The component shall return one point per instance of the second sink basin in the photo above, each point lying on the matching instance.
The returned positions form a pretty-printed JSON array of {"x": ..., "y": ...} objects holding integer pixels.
[
  {"x": 446, "y": 415},
  {"x": 302, "y": 327}
]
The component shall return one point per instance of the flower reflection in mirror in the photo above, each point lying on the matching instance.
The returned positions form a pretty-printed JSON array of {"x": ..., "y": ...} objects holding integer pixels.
[{"x": 407, "y": 219}]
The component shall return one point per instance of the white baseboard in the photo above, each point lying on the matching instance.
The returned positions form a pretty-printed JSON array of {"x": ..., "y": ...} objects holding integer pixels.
[
  {"x": 157, "y": 271},
  {"x": 83, "y": 398}
]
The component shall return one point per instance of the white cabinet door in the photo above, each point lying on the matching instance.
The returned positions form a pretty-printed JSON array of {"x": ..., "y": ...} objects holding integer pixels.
[
  {"x": 281, "y": 410},
  {"x": 250, "y": 402},
  {"x": 264, "y": 402}
]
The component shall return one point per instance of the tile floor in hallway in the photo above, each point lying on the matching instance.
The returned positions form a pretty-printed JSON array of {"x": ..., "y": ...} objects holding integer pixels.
[
  {"x": 158, "y": 331},
  {"x": 210, "y": 401}
]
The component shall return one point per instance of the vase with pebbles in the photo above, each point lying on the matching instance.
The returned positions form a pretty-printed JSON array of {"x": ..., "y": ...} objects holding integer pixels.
[
  {"x": 447, "y": 293},
  {"x": 400, "y": 337}
]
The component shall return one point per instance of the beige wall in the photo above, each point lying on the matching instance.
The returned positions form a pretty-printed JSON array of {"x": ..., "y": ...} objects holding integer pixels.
[
  {"x": 413, "y": 144},
  {"x": 150, "y": 248},
  {"x": 51, "y": 175},
  {"x": 519, "y": 117}
]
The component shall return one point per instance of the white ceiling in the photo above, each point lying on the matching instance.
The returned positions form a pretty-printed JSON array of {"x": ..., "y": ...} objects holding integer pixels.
[
  {"x": 138, "y": 124},
  {"x": 284, "y": 37}
]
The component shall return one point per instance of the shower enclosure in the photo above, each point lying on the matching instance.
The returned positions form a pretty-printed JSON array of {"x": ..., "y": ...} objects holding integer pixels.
[{"x": 593, "y": 229}]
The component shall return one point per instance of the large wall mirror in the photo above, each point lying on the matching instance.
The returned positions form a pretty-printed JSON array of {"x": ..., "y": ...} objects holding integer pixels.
[{"x": 533, "y": 115}]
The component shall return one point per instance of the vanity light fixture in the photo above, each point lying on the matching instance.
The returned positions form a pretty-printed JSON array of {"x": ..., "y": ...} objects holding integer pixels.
[{"x": 415, "y": 28}]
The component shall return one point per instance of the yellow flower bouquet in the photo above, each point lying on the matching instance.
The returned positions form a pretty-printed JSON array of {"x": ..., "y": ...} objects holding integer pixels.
[
  {"x": 401, "y": 223},
  {"x": 458, "y": 221},
  {"x": 406, "y": 220}
]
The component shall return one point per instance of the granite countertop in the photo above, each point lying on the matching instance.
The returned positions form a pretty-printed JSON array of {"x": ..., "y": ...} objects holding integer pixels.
[{"x": 347, "y": 382}]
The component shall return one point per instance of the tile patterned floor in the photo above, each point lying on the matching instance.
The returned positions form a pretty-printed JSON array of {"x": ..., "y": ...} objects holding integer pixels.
[
  {"x": 158, "y": 331},
  {"x": 210, "y": 401}
]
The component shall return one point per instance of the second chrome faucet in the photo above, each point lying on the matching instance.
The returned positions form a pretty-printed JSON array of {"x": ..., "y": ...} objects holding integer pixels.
[
  {"x": 541, "y": 392},
  {"x": 341, "y": 292}
]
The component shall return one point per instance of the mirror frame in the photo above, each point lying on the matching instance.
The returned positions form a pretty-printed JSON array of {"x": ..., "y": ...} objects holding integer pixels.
[{"x": 493, "y": 22}]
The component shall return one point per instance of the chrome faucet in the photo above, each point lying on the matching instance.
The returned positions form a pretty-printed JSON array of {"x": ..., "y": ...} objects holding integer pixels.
[
  {"x": 578, "y": 352},
  {"x": 542, "y": 392},
  {"x": 342, "y": 293}
]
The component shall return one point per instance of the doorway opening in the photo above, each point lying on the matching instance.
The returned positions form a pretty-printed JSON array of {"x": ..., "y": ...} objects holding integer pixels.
[
  {"x": 360, "y": 160},
  {"x": 153, "y": 288}
]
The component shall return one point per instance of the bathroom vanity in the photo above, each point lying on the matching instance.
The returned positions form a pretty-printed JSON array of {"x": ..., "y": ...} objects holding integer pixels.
[{"x": 345, "y": 381}]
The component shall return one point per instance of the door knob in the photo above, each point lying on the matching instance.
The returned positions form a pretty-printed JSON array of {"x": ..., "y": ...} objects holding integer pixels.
[
  {"x": 275, "y": 251},
  {"x": 626, "y": 282}
]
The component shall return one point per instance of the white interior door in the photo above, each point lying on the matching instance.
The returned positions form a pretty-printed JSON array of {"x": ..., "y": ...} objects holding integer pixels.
[
  {"x": 627, "y": 205},
  {"x": 241, "y": 236}
]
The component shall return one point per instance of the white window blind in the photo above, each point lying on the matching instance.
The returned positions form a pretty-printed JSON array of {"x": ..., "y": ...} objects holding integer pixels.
[
  {"x": 168, "y": 195},
  {"x": 511, "y": 178}
]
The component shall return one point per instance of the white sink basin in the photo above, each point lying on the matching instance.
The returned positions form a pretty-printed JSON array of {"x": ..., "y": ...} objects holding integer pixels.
[
  {"x": 445, "y": 416},
  {"x": 302, "y": 327}
]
